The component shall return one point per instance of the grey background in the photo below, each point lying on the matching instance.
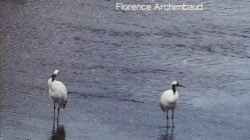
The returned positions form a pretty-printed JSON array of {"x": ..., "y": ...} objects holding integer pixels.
[{"x": 116, "y": 64}]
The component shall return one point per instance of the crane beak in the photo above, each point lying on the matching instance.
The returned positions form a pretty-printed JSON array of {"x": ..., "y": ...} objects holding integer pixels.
[{"x": 181, "y": 85}]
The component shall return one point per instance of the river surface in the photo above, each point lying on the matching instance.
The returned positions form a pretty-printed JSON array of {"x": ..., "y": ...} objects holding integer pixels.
[{"x": 115, "y": 65}]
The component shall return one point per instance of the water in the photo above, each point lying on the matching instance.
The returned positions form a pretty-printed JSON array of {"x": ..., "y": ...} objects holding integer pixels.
[{"x": 116, "y": 64}]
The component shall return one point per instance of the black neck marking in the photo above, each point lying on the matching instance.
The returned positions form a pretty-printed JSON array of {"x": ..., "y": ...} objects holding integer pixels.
[
  {"x": 53, "y": 76},
  {"x": 174, "y": 88}
]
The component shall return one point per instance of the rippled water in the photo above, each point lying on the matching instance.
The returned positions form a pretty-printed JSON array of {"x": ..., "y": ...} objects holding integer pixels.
[{"x": 116, "y": 64}]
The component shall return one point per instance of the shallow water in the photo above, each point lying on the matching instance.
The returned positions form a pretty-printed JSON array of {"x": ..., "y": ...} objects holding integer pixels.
[{"x": 116, "y": 64}]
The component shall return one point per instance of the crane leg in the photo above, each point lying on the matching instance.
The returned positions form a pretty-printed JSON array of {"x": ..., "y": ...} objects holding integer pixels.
[
  {"x": 58, "y": 110},
  {"x": 172, "y": 113},
  {"x": 167, "y": 114},
  {"x": 173, "y": 118},
  {"x": 173, "y": 123},
  {"x": 54, "y": 109},
  {"x": 58, "y": 113}
]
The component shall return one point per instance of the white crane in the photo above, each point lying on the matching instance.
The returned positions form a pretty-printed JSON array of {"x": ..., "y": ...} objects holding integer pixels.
[
  {"x": 169, "y": 99},
  {"x": 58, "y": 92}
]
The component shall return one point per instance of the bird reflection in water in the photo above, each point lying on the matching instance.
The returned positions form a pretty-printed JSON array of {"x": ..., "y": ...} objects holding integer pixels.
[
  {"x": 58, "y": 132},
  {"x": 169, "y": 135}
]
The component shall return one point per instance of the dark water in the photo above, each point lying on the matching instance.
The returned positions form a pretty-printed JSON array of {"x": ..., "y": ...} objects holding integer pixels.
[{"x": 116, "y": 64}]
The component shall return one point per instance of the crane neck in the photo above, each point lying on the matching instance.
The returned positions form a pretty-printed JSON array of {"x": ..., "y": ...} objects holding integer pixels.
[
  {"x": 50, "y": 81},
  {"x": 174, "y": 88}
]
